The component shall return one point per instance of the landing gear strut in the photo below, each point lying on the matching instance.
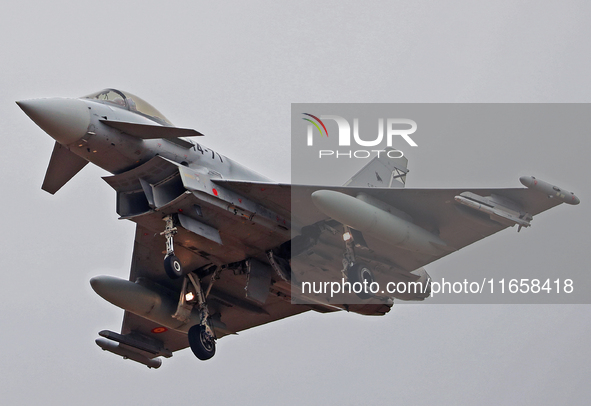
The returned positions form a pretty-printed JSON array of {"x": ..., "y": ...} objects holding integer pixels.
[
  {"x": 172, "y": 265},
  {"x": 356, "y": 271},
  {"x": 201, "y": 336}
]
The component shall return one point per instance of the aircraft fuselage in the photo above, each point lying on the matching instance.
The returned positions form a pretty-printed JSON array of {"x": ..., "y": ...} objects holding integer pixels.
[{"x": 76, "y": 124}]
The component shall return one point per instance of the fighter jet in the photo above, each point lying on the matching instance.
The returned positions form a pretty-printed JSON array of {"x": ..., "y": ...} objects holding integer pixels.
[{"x": 218, "y": 248}]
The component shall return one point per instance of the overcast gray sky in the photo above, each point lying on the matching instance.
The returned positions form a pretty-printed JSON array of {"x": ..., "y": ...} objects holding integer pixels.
[{"x": 231, "y": 71}]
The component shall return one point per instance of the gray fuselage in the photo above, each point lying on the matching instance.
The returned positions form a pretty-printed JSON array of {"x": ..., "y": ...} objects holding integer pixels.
[{"x": 117, "y": 152}]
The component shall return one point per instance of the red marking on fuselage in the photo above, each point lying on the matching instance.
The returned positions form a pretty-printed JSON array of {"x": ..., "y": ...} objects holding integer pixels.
[{"x": 158, "y": 330}]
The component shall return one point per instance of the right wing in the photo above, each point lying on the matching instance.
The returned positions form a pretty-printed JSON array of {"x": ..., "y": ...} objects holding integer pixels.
[{"x": 144, "y": 340}]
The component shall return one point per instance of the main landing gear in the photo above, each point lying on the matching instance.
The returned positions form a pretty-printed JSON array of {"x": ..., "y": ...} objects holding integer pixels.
[
  {"x": 201, "y": 336},
  {"x": 201, "y": 342},
  {"x": 360, "y": 272},
  {"x": 356, "y": 271},
  {"x": 172, "y": 265}
]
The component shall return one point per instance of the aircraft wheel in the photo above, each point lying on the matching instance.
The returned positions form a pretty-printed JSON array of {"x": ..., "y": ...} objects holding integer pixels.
[
  {"x": 360, "y": 272},
  {"x": 173, "y": 267},
  {"x": 201, "y": 344}
]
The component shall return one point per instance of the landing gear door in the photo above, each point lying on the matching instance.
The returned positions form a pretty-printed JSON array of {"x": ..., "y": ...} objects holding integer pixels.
[{"x": 259, "y": 280}]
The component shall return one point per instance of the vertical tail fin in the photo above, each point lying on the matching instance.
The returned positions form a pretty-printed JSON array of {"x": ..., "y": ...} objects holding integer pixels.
[{"x": 382, "y": 171}]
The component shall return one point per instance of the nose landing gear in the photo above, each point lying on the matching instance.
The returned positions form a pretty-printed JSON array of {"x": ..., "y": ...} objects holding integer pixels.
[{"x": 172, "y": 265}]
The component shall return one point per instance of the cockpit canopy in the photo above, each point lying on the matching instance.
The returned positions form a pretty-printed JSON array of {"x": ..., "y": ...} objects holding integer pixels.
[{"x": 129, "y": 102}]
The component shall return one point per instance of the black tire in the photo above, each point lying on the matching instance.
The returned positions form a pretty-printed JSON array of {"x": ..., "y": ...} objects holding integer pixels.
[
  {"x": 360, "y": 272},
  {"x": 173, "y": 267},
  {"x": 202, "y": 346}
]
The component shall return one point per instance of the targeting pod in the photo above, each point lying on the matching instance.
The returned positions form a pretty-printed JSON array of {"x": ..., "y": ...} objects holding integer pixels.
[{"x": 549, "y": 190}]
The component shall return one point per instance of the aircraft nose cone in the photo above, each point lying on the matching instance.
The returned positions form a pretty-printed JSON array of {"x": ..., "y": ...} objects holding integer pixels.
[{"x": 65, "y": 120}]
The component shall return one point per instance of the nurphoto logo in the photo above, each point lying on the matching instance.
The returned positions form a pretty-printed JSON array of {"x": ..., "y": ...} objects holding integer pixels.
[{"x": 394, "y": 127}]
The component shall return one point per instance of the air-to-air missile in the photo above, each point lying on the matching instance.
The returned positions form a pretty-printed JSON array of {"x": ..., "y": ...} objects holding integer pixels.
[
  {"x": 506, "y": 212},
  {"x": 127, "y": 353},
  {"x": 499, "y": 210}
]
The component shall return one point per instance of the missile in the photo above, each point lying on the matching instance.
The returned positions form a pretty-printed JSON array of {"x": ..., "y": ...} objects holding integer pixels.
[
  {"x": 495, "y": 211},
  {"x": 127, "y": 353},
  {"x": 373, "y": 221},
  {"x": 549, "y": 190}
]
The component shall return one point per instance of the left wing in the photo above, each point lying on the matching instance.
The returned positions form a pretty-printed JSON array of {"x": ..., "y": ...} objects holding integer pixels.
[{"x": 438, "y": 211}]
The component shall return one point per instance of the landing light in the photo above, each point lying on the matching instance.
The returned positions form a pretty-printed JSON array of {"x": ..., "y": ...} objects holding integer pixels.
[
  {"x": 347, "y": 236},
  {"x": 189, "y": 296}
]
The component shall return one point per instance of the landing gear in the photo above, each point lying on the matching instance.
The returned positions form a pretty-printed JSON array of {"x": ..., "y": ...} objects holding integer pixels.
[
  {"x": 172, "y": 265},
  {"x": 361, "y": 273},
  {"x": 201, "y": 336},
  {"x": 356, "y": 272},
  {"x": 201, "y": 342}
]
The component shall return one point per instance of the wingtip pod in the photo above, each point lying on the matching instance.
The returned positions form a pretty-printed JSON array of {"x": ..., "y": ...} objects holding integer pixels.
[{"x": 549, "y": 190}]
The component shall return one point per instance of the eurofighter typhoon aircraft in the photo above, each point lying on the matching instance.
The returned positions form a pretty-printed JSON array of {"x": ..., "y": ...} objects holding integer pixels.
[{"x": 217, "y": 248}]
